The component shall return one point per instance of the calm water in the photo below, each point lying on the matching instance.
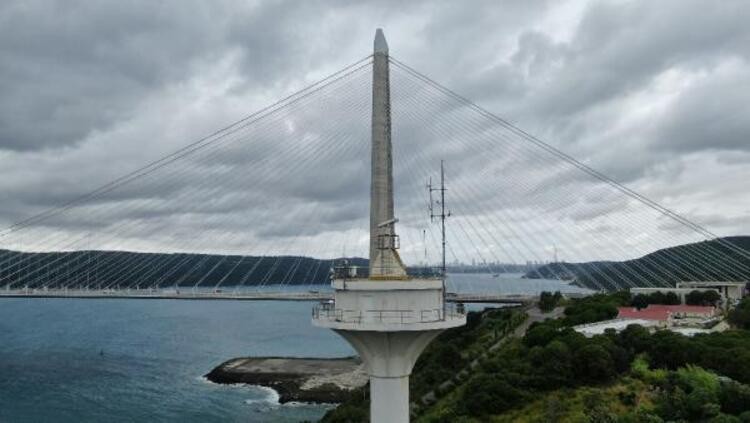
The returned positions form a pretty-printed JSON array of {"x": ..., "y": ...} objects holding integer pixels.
[
  {"x": 68, "y": 360},
  {"x": 506, "y": 283}
]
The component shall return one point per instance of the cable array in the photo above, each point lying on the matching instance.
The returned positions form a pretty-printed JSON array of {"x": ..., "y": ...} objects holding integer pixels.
[{"x": 275, "y": 199}]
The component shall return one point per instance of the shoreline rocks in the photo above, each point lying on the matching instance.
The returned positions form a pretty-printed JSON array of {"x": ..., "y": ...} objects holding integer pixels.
[{"x": 316, "y": 380}]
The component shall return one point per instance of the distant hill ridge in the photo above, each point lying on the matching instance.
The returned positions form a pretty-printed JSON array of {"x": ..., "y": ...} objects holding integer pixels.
[
  {"x": 124, "y": 268},
  {"x": 673, "y": 264}
]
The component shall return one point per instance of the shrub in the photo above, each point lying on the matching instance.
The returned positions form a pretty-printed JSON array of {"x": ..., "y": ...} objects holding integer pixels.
[
  {"x": 548, "y": 301},
  {"x": 740, "y": 316},
  {"x": 735, "y": 398},
  {"x": 593, "y": 363},
  {"x": 487, "y": 395},
  {"x": 693, "y": 378},
  {"x": 709, "y": 297}
]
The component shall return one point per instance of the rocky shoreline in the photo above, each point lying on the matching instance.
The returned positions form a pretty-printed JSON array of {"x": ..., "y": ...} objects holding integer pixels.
[{"x": 316, "y": 380}]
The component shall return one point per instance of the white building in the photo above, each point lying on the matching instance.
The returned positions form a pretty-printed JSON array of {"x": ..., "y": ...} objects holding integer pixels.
[{"x": 598, "y": 328}]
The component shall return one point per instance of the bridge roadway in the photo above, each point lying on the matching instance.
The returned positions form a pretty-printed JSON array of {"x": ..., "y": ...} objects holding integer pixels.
[{"x": 239, "y": 296}]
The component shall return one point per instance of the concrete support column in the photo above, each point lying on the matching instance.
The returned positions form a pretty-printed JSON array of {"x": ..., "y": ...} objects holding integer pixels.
[
  {"x": 389, "y": 358},
  {"x": 389, "y": 399}
]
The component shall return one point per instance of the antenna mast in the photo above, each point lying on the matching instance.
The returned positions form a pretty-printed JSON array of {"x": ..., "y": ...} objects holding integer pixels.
[{"x": 443, "y": 215}]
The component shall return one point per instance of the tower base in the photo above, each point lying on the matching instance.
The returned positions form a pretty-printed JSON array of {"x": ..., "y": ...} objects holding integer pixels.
[
  {"x": 389, "y": 323},
  {"x": 389, "y": 358}
]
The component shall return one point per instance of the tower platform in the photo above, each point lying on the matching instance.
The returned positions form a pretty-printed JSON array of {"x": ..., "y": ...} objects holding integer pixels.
[
  {"x": 383, "y": 305},
  {"x": 389, "y": 323}
]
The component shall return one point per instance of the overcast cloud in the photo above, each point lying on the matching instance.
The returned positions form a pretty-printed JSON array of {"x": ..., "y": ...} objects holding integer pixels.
[{"x": 653, "y": 94}]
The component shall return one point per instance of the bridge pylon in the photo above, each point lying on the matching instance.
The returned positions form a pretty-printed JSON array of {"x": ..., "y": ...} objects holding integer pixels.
[{"x": 388, "y": 316}]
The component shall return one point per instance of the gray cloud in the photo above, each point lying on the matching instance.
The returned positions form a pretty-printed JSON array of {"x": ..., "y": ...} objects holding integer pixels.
[{"x": 648, "y": 92}]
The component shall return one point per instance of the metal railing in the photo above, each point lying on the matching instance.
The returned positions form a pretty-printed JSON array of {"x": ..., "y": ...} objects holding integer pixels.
[
  {"x": 347, "y": 271},
  {"x": 329, "y": 312}
]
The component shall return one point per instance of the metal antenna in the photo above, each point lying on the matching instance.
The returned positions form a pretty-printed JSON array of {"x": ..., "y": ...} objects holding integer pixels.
[{"x": 443, "y": 215}]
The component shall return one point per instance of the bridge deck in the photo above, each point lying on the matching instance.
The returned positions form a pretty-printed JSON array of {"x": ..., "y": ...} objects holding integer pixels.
[{"x": 240, "y": 296}]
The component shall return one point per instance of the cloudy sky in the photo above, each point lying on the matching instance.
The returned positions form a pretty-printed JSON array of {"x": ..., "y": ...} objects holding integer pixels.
[{"x": 652, "y": 94}]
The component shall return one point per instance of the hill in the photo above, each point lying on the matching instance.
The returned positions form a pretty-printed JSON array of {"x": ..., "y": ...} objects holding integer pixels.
[
  {"x": 554, "y": 374},
  {"x": 123, "y": 268},
  {"x": 673, "y": 264}
]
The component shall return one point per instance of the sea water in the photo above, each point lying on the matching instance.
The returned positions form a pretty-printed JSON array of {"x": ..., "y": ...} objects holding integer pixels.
[
  {"x": 69, "y": 360},
  {"x": 110, "y": 360}
]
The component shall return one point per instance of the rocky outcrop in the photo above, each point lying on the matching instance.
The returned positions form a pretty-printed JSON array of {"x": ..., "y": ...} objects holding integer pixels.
[{"x": 318, "y": 380}]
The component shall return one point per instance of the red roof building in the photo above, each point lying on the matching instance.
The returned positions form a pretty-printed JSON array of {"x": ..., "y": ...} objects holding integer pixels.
[{"x": 664, "y": 312}]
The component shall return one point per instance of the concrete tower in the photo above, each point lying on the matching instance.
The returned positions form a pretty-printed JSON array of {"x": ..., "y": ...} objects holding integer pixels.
[
  {"x": 385, "y": 262},
  {"x": 388, "y": 317}
]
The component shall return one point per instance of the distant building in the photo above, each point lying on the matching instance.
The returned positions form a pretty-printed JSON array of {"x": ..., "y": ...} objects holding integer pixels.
[
  {"x": 598, "y": 328},
  {"x": 686, "y": 319},
  {"x": 667, "y": 312},
  {"x": 730, "y": 292}
]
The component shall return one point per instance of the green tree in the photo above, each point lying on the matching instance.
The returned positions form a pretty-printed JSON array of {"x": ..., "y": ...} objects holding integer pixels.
[
  {"x": 540, "y": 334},
  {"x": 672, "y": 299},
  {"x": 670, "y": 350},
  {"x": 692, "y": 378},
  {"x": 657, "y": 297},
  {"x": 547, "y": 301},
  {"x": 640, "y": 301},
  {"x": 711, "y": 297},
  {"x": 735, "y": 398},
  {"x": 554, "y": 364},
  {"x": 488, "y": 394},
  {"x": 705, "y": 298},
  {"x": 636, "y": 338},
  {"x": 672, "y": 405},
  {"x": 593, "y": 363},
  {"x": 725, "y": 418},
  {"x": 740, "y": 316},
  {"x": 694, "y": 297},
  {"x": 702, "y": 405}
]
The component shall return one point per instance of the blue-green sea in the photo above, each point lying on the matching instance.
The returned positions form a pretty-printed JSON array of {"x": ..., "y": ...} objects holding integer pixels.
[
  {"x": 109, "y": 360},
  {"x": 68, "y": 360}
]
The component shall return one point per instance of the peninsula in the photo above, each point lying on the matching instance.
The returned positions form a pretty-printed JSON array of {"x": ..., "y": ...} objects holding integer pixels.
[{"x": 317, "y": 380}]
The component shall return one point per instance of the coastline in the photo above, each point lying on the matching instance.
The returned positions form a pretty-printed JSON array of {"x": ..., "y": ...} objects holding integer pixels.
[{"x": 295, "y": 379}]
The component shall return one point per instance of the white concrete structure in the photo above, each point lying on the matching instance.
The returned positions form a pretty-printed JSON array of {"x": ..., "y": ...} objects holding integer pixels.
[
  {"x": 598, "y": 328},
  {"x": 729, "y": 291},
  {"x": 590, "y": 330},
  {"x": 384, "y": 260},
  {"x": 733, "y": 291},
  {"x": 388, "y": 318}
]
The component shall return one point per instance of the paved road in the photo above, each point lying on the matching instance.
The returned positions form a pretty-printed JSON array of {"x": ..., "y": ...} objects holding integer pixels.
[{"x": 230, "y": 294}]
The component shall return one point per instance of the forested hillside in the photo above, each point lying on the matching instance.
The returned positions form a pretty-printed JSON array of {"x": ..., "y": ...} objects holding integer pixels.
[
  {"x": 708, "y": 260},
  {"x": 113, "y": 268},
  {"x": 555, "y": 374}
]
